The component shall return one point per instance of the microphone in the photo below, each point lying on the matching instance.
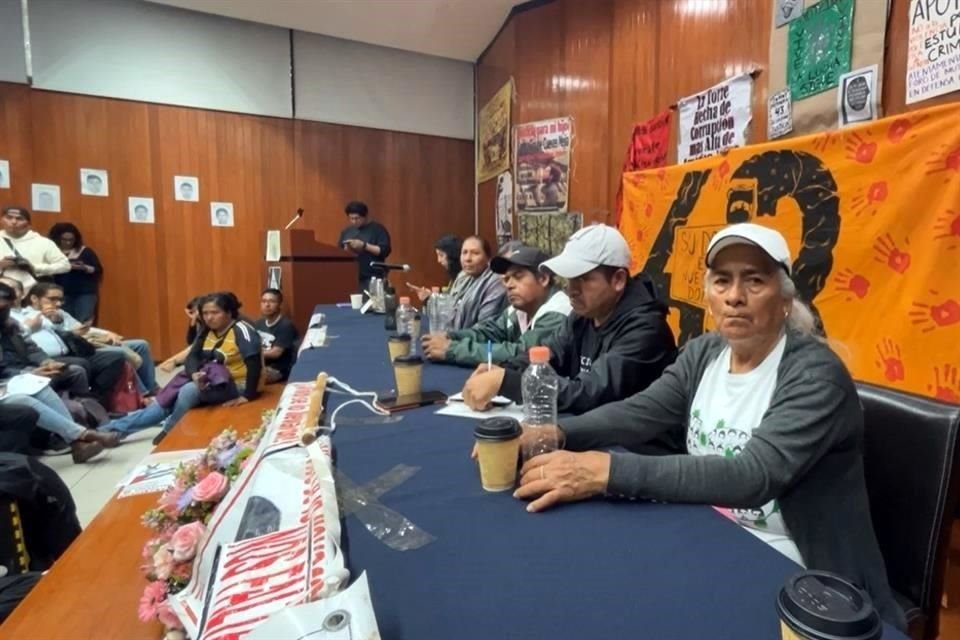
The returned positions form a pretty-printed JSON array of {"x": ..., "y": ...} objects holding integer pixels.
[
  {"x": 294, "y": 219},
  {"x": 390, "y": 267}
]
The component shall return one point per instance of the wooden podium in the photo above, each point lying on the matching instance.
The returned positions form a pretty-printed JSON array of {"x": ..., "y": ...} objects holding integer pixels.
[{"x": 313, "y": 273}]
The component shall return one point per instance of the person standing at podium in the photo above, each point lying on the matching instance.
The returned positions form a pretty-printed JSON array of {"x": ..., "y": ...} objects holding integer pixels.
[{"x": 369, "y": 240}]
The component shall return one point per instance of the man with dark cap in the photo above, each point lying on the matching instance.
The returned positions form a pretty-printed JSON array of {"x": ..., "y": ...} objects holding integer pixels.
[
  {"x": 538, "y": 309},
  {"x": 369, "y": 240}
]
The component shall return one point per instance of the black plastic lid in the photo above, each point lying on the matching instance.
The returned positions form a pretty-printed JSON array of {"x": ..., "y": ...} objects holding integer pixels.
[
  {"x": 497, "y": 429},
  {"x": 399, "y": 337},
  {"x": 824, "y": 606},
  {"x": 407, "y": 361}
]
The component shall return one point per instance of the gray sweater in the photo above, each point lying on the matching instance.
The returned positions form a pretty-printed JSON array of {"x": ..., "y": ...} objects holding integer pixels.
[{"x": 807, "y": 453}]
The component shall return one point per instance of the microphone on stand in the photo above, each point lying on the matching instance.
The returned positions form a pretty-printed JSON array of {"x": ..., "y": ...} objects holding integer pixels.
[
  {"x": 294, "y": 219},
  {"x": 390, "y": 267}
]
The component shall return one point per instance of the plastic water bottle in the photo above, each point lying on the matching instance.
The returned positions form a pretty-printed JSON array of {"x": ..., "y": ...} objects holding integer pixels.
[
  {"x": 540, "y": 385},
  {"x": 407, "y": 322}
]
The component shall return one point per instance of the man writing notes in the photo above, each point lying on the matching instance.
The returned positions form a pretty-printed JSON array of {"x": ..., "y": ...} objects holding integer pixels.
[{"x": 369, "y": 240}]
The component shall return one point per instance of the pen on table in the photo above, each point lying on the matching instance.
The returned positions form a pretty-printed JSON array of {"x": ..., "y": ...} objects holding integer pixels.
[{"x": 489, "y": 355}]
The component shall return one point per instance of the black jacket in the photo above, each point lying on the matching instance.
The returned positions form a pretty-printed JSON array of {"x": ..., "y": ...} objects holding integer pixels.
[{"x": 598, "y": 365}]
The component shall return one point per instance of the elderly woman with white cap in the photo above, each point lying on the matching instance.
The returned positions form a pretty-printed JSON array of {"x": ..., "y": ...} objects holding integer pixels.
[{"x": 768, "y": 415}]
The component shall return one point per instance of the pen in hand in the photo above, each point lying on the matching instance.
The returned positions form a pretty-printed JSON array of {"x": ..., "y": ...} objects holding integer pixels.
[{"x": 489, "y": 355}]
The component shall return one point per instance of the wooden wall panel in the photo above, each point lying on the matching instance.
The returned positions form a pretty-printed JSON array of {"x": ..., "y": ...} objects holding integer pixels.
[{"x": 420, "y": 186}]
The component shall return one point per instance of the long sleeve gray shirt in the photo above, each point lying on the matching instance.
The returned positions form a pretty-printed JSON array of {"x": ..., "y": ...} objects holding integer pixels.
[{"x": 807, "y": 453}]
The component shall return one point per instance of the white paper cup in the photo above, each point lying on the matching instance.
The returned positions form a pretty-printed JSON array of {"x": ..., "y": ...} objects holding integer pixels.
[{"x": 356, "y": 300}]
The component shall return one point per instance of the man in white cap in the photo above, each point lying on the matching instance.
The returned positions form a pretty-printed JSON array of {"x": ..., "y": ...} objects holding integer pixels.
[{"x": 616, "y": 341}]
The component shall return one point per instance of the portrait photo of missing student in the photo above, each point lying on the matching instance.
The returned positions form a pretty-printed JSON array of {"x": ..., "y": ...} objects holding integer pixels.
[
  {"x": 4, "y": 174},
  {"x": 221, "y": 214},
  {"x": 46, "y": 197},
  {"x": 186, "y": 188},
  {"x": 93, "y": 182},
  {"x": 140, "y": 210}
]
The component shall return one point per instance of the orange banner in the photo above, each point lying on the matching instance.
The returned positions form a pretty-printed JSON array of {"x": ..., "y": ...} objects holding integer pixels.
[{"x": 872, "y": 217}]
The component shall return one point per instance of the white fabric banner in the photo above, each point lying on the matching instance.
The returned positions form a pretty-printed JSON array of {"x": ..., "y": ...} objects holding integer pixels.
[{"x": 716, "y": 119}]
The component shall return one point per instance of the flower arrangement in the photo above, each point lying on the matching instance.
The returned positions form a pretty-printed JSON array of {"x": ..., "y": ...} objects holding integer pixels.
[{"x": 180, "y": 518}]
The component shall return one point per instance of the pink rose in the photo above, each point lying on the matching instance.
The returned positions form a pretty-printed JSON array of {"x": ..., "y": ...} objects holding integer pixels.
[
  {"x": 153, "y": 595},
  {"x": 213, "y": 487},
  {"x": 186, "y": 540},
  {"x": 167, "y": 617},
  {"x": 162, "y": 563}
]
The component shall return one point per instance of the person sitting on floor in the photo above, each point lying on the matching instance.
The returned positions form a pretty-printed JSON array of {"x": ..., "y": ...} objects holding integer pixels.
[
  {"x": 17, "y": 425},
  {"x": 193, "y": 328},
  {"x": 17, "y": 312},
  {"x": 223, "y": 368},
  {"x": 279, "y": 337},
  {"x": 537, "y": 310},
  {"x": 616, "y": 341},
  {"x": 483, "y": 296},
  {"x": 46, "y": 302},
  {"x": 762, "y": 416}
]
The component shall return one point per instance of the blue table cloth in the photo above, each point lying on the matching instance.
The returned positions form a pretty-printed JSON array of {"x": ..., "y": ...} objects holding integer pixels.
[{"x": 596, "y": 569}]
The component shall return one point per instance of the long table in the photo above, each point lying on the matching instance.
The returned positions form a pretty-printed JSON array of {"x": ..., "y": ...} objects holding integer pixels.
[{"x": 595, "y": 569}]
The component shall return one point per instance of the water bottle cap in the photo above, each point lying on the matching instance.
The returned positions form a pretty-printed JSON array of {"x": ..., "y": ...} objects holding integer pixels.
[
  {"x": 539, "y": 355},
  {"x": 404, "y": 300},
  {"x": 435, "y": 289}
]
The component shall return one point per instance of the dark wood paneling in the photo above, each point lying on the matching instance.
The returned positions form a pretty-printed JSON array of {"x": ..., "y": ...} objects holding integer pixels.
[{"x": 419, "y": 186}]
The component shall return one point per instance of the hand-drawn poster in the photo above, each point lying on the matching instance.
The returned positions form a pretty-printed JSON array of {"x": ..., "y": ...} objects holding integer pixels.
[
  {"x": 779, "y": 114},
  {"x": 786, "y": 11},
  {"x": 933, "y": 54},
  {"x": 504, "y": 220},
  {"x": 647, "y": 149},
  {"x": 716, "y": 119},
  {"x": 549, "y": 231},
  {"x": 857, "y": 99},
  {"x": 493, "y": 134},
  {"x": 542, "y": 164},
  {"x": 820, "y": 46},
  {"x": 883, "y": 283},
  {"x": 867, "y": 46}
]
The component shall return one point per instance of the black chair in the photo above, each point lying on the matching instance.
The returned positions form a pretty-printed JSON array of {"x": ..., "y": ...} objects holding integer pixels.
[{"x": 910, "y": 458}]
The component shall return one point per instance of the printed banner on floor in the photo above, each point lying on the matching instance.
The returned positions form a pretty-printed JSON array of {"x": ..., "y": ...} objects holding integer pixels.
[
  {"x": 872, "y": 220},
  {"x": 647, "y": 149},
  {"x": 716, "y": 119},
  {"x": 542, "y": 164},
  {"x": 933, "y": 52},
  {"x": 493, "y": 134}
]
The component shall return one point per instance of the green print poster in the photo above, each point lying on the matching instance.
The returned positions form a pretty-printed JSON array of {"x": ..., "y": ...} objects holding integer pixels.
[{"x": 819, "y": 47}]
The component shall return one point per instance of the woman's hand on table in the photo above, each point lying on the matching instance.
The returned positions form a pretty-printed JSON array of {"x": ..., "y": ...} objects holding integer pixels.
[{"x": 563, "y": 476}]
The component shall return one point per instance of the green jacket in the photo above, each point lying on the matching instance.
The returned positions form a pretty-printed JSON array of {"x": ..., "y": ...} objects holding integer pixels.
[{"x": 468, "y": 347}]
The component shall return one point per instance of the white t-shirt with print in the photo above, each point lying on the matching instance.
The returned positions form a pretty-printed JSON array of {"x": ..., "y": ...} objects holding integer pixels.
[{"x": 726, "y": 409}]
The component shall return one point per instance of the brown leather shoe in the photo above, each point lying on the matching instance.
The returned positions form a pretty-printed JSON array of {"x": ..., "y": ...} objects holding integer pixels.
[
  {"x": 109, "y": 439},
  {"x": 84, "y": 451}
]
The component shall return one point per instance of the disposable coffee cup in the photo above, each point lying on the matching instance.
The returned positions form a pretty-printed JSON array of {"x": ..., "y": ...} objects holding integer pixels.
[
  {"x": 356, "y": 300},
  {"x": 399, "y": 345},
  {"x": 498, "y": 448},
  {"x": 817, "y": 605},
  {"x": 408, "y": 372}
]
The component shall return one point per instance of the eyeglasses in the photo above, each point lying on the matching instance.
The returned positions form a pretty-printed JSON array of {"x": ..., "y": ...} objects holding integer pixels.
[{"x": 57, "y": 299}]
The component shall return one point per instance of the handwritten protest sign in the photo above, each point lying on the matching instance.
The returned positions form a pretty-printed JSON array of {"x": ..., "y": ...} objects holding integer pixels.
[
  {"x": 715, "y": 119},
  {"x": 933, "y": 54}
]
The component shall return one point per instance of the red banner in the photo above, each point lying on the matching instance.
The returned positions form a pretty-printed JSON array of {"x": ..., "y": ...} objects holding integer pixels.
[{"x": 647, "y": 149}]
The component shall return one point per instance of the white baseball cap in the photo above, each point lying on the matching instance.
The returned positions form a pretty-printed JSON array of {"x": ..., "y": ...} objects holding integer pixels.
[
  {"x": 589, "y": 248},
  {"x": 768, "y": 240}
]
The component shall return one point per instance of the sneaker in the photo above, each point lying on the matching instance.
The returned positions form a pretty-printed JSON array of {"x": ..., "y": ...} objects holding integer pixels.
[
  {"x": 56, "y": 446},
  {"x": 84, "y": 451},
  {"x": 157, "y": 439}
]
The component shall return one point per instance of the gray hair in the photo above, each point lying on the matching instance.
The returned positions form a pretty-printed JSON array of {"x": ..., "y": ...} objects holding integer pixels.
[{"x": 800, "y": 318}]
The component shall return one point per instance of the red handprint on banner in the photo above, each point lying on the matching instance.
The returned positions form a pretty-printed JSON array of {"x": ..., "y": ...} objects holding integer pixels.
[
  {"x": 928, "y": 317},
  {"x": 824, "y": 140},
  {"x": 946, "y": 383},
  {"x": 860, "y": 148},
  {"x": 889, "y": 254},
  {"x": 848, "y": 281},
  {"x": 944, "y": 159},
  {"x": 947, "y": 226},
  {"x": 864, "y": 199},
  {"x": 890, "y": 362},
  {"x": 662, "y": 178},
  {"x": 719, "y": 175},
  {"x": 899, "y": 128}
]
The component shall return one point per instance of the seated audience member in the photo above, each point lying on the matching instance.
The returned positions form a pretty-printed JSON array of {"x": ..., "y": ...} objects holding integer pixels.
[
  {"x": 17, "y": 424},
  {"x": 483, "y": 296},
  {"x": 17, "y": 312},
  {"x": 81, "y": 285},
  {"x": 537, "y": 310},
  {"x": 26, "y": 255},
  {"x": 447, "y": 249},
  {"x": 770, "y": 418},
  {"x": 223, "y": 368},
  {"x": 279, "y": 337},
  {"x": 59, "y": 335},
  {"x": 616, "y": 341},
  {"x": 193, "y": 328}
]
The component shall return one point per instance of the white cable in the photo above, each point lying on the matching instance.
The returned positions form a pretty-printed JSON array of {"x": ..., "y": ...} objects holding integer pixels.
[{"x": 372, "y": 406}]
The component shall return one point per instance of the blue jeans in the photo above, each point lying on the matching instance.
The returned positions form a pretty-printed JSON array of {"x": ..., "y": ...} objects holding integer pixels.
[
  {"x": 188, "y": 397},
  {"x": 83, "y": 307},
  {"x": 147, "y": 372},
  {"x": 53, "y": 415}
]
